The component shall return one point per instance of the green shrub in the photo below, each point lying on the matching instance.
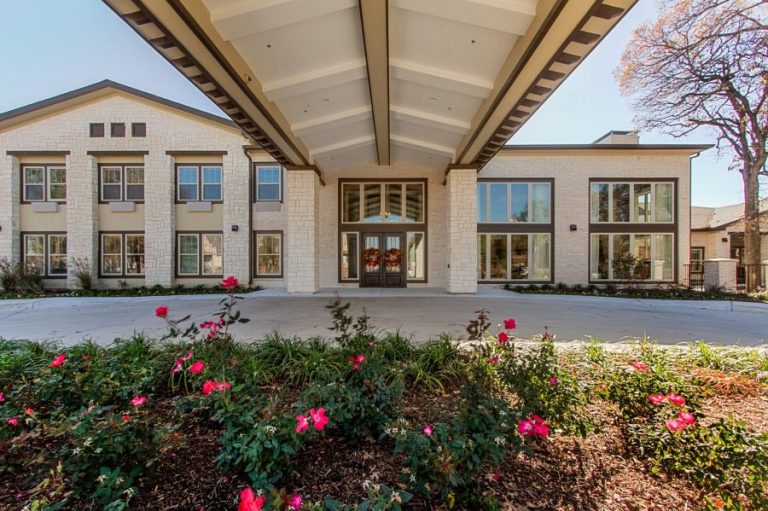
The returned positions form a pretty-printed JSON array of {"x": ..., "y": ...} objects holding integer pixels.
[{"x": 20, "y": 277}]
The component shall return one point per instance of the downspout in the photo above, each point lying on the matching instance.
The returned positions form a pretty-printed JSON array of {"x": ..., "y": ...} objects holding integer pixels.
[{"x": 250, "y": 215}]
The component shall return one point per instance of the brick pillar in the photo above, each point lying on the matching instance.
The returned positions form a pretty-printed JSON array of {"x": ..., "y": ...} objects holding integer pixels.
[
  {"x": 462, "y": 230},
  {"x": 720, "y": 274},
  {"x": 302, "y": 237},
  {"x": 10, "y": 177},
  {"x": 159, "y": 219},
  {"x": 236, "y": 205},
  {"x": 82, "y": 215}
]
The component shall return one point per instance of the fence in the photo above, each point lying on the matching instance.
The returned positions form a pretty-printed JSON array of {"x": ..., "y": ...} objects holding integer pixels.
[
  {"x": 750, "y": 277},
  {"x": 693, "y": 277}
]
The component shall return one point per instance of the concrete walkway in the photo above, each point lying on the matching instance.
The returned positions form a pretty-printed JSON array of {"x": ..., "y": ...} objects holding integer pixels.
[{"x": 418, "y": 312}]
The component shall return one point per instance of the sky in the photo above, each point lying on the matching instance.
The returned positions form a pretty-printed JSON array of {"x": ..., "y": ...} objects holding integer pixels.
[{"x": 48, "y": 47}]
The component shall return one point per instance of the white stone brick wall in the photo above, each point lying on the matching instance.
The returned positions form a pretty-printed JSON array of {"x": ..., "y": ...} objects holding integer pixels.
[
  {"x": 10, "y": 175},
  {"x": 159, "y": 219},
  {"x": 236, "y": 211},
  {"x": 462, "y": 230},
  {"x": 571, "y": 172},
  {"x": 303, "y": 237},
  {"x": 82, "y": 214}
]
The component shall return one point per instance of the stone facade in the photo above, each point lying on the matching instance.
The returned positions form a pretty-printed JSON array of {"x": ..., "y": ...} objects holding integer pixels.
[
  {"x": 307, "y": 216},
  {"x": 462, "y": 230}
]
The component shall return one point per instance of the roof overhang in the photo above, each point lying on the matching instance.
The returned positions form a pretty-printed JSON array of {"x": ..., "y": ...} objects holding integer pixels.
[{"x": 339, "y": 82}]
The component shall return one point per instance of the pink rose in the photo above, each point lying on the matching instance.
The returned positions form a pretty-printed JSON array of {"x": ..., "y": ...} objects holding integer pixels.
[
  {"x": 162, "y": 311},
  {"x": 139, "y": 400},
  {"x": 319, "y": 419},
  {"x": 675, "y": 425},
  {"x": 428, "y": 430},
  {"x": 59, "y": 360},
  {"x": 675, "y": 399},
  {"x": 657, "y": 399},
  {"x": 302, "y": 424},
  {"x": 197, "y": 367},
  {"x": 13, "y": 421},
  {"x": 639, "y": 366},
  {"x": 687, "y": 418},
  {"x": 230, "y": 282}
]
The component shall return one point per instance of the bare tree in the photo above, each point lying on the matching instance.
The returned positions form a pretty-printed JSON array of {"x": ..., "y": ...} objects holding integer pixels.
[{"x": 704, "y": 64}]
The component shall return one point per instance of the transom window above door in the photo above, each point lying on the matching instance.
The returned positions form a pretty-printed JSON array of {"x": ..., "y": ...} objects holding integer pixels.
[{"x": 383, "y": 202}]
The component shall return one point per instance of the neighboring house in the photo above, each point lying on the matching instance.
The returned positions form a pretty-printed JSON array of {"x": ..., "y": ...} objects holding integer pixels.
[
  {"x": 150, "y": 192},
  {"x": 719, "y": 233}
]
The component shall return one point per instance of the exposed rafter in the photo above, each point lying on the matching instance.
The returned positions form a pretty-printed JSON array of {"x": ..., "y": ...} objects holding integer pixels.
[
  {"x": 374, "y": 18},
  {"x": 424, "y": 146},
  {"x": 315, "y": 80},
  {"x": 332, "y": 121},
  {"x": 429, "y": 120},
  {"x": 440, "y": 78},
  {"x": 344, "y": 146}
]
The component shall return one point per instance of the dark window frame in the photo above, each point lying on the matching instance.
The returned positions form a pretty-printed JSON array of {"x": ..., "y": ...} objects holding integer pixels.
[
  {"x": 631, "y": 228},
  {"x": 199, "y": 167},
  {"x": 123, "y": 182},
  {"x": 510, "y": 181},
  {"x": 117, "y": 130},
  {"x": 256, "y": 254},
  {"x": 46, "y": 182},
  {"x": 138, "y": 129},
  {"x": 96, "y": 130},
  {"x": 199, "y": 274},
  {"x": 46, "y": 252},
  {"x": 123, "y": 255},
  {"x": 703, "y": 257},
  {"x": 256, "y": 166}
]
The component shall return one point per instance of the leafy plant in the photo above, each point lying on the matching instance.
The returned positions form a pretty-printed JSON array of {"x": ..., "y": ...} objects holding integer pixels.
[
  {"x": 20, "y": 277},
  {"x": 81, "y": 269}
]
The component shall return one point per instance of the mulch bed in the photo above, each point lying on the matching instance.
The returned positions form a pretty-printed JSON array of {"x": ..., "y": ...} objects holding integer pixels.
[{"x": 567, "y": 474}]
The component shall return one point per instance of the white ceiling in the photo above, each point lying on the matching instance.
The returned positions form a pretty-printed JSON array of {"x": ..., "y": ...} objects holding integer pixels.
[{"x": 309, "y": 57}]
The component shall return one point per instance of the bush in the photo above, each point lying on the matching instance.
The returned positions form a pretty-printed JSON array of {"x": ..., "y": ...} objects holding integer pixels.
[
  {"x": 81, "y": 269},
  {"x": 20, "y": 277}
]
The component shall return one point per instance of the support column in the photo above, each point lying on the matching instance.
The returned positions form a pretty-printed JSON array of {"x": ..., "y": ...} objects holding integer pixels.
[
  {"x": 82, "y": 216},
  {"x": 720, "y": 274},
  {"x": 236, "y": 195},
  {"x": 302, "y": 241},
  {"x": 159, "y": 219},
  {"x": 462, "y": 229},
  {"x": 10, "y": 177}
]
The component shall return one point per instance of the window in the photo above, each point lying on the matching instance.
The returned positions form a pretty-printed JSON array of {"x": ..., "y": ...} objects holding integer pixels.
[
  {"x": 122, "y": 183},
  {"x": 269, "y": 250},
  {"x": 697, "y": 259},
  {"x": 122, "y": 254},
  {"x": 96, "y": 129},
  {"x": 350, "y": 256},
  {"x": 390, "y": 202},
  {"x": 117, "y": 129},
  {"x": 268, "y": 182},
  {"x": 46, "y": 252},
  {"x": 514, "y": 202},
  {"x": 635, "y": 256},
  {"x": 139, "y": 129},
  {"x": 417, "y": 255},
  {"x": 199, "y": 255},
  {"x": 199, "y": 183},
  {"x": 44, "y": 183},
  {"x": 514, "y": 256},
  {"x": 641, "y": 202}
]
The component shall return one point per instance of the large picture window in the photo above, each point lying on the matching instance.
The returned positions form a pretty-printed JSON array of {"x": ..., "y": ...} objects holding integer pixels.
[
  {"x": 269, "y": 254},
  {"x": 514, "y": 256},
  {"x": 122, "y": 254},
  {"x": 636, "y": 202},
  {"x": 44, "y": 183},
  {"x": 389, "y": 202},
  {"x": 514, "y": 202},
  {"x": 122, "y": 183},
  {"x": 199, "y": 183},
  {"x": 268, "y": 182},
  {"x": 199, "y": 254},
  {"x": 46, "y": 252},
  {"x": 632, "y": 256}
]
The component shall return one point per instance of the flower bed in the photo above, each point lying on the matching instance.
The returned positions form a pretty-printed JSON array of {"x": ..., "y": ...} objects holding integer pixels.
[{"x": 372, "y": 421}]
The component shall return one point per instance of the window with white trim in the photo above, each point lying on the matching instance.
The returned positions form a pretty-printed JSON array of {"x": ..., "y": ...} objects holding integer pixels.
[
  {"x": 46, "y": 252},
  {"x": 199, "y": 254},
  {"x": 44, "y": 183},
  {"x": 122, "y": 183},
  {"x": 199, "y": 183},
  {"x": 122, "y": 254},
  {"x": 269, "y": 257},
  {"x": 268, "y": 182}
]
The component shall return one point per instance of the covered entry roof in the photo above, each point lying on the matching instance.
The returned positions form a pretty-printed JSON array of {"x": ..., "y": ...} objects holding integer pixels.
[{"x": 332, "y": 83}]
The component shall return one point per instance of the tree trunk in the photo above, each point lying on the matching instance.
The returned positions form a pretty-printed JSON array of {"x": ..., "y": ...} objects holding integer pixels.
[{"x": 752, "y": 257}]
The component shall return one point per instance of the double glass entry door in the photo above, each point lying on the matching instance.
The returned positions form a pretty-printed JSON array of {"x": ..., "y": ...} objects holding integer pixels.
[{"x": 382, "y": 260}]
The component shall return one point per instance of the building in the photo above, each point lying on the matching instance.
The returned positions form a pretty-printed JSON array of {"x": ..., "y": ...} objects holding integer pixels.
[
  {"x": 151, "y": 192},
  {"x": 718, "y": 233}
]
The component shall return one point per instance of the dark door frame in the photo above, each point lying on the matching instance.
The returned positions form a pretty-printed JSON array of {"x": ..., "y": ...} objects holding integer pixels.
[{"x": 385, "y": 278}]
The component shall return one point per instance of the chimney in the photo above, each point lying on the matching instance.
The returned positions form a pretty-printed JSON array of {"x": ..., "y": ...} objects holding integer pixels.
[{"x": 619, "y": 138}]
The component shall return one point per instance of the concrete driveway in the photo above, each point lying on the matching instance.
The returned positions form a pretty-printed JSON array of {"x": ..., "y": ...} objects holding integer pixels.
[{"x": 421, "y": 313}]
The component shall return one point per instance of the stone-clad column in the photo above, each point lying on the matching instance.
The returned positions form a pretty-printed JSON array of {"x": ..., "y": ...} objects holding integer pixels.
[
  {"x": 236, "y": 206},
  {"x": 302, "y": 236},
  {"x": 159, "y": 219},
  {"x": 462, "y": 230},
  {"x": 10, "y": 177},
  {"x": 720, "y": 274},
  {"x": 82, "y": 215}
]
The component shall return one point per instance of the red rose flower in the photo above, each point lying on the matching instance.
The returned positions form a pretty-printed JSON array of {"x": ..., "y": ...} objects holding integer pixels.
[
  {"x": 59, "y": 360},
  {"x": 250, "y": 502},
  {"x": 510, "y": 324},
  {"x": 197, "y": 367},
  {"x": 503, "y": 338},
  {"x": 138, "y": 400},
  {"x": 230, "y": 282},
  {"x": 162, "y": 311}
]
